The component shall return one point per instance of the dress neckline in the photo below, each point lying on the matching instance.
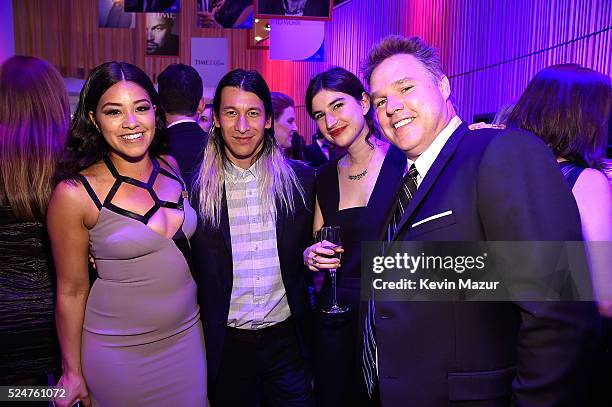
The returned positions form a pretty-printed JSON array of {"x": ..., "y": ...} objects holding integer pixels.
[{"x": 157, "y": 202}]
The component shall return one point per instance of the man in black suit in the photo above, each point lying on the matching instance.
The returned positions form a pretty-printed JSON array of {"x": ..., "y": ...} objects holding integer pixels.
[
  {"x": 256, "y": 212},
  {"x": 306, "y": 8},
  {"x": 319, "y": 152},
  {"x": 462, "y": 185},
  {"x": 180, "y": 92}
]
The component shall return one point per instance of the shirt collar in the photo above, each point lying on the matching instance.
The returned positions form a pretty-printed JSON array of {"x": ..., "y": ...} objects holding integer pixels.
[
  {"x": 234, "y": 173},
  {"x": 180, "y": 121},
  {"x": 424, "y": 162}
]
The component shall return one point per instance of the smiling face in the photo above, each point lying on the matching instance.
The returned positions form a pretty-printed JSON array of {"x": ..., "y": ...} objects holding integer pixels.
[
  {"x": 284, "y": 126},
  {"x": 243, "y": 122},
  {"x": 126, "y": 118},
  {"x": 339, "y": 116},
  {"x": 411, "y": 106}
]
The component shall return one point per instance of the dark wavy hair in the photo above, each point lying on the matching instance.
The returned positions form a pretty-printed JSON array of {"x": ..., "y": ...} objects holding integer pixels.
[
  {"x": 85, "y": 144},
  {"x": 340, "y": 80},
  {"x": 568, "y": 107}
]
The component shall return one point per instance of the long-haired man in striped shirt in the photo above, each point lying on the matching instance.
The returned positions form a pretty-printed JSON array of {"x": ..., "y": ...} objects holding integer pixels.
[{"x": 256, "y": 217}]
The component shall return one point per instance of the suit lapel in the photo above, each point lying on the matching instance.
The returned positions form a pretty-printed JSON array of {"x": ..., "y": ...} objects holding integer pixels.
[
  {"x": 321, "y": 154},
  {"x": 281, "y": 219},
  {"x": 384, "y": 193},
  {"x": 224, "y": 226},
  {"x": 433, "y": 174}
]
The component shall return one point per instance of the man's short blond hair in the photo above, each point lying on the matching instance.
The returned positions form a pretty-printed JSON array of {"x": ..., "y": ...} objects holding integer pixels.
[{"x": 397, "y": 44}]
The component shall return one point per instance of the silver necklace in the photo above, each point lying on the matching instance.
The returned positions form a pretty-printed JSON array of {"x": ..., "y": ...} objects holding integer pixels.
[
  {"x": 363, "y": 173},
  {"x": 359, "y": 176}
]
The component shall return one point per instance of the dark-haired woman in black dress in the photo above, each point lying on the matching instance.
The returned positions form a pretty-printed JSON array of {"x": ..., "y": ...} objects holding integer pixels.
[{"x": 353, "y": 192}]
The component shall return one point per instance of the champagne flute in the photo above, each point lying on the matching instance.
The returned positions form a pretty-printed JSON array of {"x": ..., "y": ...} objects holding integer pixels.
[{"x": 330, "y": 239}]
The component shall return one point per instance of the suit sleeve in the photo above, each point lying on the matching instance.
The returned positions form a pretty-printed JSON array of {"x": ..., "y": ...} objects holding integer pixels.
[{"x": 522, "y": 196}]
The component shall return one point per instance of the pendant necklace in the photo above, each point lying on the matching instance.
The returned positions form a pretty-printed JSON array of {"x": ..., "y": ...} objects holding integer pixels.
[
  {"x": 363, "y": 173},
  {"x": 359, "y": 176}
]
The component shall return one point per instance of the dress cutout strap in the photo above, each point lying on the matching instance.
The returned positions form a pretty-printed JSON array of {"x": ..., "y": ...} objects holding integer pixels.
[
  {"x": 176, "y": 176},
  {"x": 148, "y": 186},
  {"x": 90, "y": 190}
]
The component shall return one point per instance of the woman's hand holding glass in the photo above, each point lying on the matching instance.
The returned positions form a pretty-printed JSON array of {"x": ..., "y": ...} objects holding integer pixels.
[{"x": 319, "y": 257}]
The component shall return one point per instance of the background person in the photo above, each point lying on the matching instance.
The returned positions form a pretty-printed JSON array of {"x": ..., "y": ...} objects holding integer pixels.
[
  {"x": 180, "y": 93},
  {"x": 284, "y": 121},
  {"x": 319, "y": 151},
  {"x": 297, "y": 146},
  {"x": 568, "y": 107},
  {"x": 34, "y": 120},
  {"x": 205, "y": 117},
  {"x": 134, "y": 338}
]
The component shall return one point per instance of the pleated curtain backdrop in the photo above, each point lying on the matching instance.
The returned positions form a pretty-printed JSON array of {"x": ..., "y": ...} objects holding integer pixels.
[{"x": 489, "y": 48}]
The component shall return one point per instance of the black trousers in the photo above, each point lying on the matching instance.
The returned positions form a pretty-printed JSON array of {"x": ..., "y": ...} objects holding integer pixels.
[{"x": 263, "y": 368}]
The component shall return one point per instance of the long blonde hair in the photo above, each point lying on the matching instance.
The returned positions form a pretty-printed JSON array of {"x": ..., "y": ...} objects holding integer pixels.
[
  {"x": 34, "y": 121},
  {"x": 278, "y": 179}
]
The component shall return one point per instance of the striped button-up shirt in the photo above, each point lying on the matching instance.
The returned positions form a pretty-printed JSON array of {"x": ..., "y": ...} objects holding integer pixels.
[{"x": 258, "y": 297}]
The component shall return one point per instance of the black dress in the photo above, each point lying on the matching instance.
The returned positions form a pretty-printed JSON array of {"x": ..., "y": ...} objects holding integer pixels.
[
  {"x": 337, "y": 361},
  {"x": 28, "y": 343},
  {"x": 571, "y": 170}
]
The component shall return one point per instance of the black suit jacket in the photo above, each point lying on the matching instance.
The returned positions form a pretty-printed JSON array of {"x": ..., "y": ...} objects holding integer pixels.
[
  {"x": 314, "y": 8},
  {"x": 500, "y": 186},
  {"x": 213, "y": 262},
  {"x": 314, "y": 156},
  {"x": 187, "y": 142}
]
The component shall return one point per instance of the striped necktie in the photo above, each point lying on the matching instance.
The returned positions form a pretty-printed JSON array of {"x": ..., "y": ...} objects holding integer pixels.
[{"x": 368, "y": 353}]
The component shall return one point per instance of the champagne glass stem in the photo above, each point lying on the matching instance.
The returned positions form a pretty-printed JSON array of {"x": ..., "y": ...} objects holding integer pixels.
[{"x": 332, "y": 272}]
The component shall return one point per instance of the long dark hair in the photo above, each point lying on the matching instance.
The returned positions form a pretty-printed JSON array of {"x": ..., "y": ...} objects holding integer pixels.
[
  {"x": 568, "y": 107},
  {"x": 278, "y": 181},
  {"x": 340, "y": 80},
  {"x": 86, "y": 145}
]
